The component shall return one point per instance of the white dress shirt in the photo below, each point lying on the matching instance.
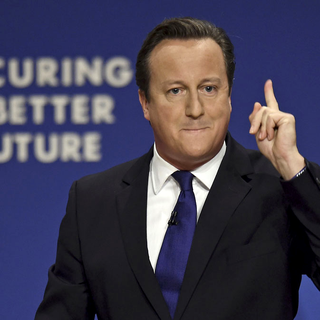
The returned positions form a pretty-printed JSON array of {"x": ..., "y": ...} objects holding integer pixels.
[{"x": 163, "y": 193}]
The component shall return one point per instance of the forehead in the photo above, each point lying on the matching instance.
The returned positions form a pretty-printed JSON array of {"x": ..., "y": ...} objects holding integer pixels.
[{"x": 182, "y": 58}]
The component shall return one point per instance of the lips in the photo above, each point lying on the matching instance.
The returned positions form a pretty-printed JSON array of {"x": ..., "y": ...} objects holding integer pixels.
[{"x": 195, "y": 129}]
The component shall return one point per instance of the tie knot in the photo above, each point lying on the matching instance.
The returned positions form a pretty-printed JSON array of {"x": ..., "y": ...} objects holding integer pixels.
[{"x": 184, "y": 178}]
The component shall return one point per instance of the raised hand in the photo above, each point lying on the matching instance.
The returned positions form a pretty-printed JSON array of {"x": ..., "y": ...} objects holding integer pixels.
[{"x": 275, "y": 134}]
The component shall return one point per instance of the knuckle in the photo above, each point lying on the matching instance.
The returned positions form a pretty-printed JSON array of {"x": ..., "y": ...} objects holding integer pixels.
[{"x": 291, "y": 117}]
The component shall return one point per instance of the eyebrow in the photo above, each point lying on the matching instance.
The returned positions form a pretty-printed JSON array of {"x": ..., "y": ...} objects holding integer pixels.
[
  {"x": 181, "y": 82},
  {"x": 171, "y": 82},
  {"x": 213, "y": 79}
]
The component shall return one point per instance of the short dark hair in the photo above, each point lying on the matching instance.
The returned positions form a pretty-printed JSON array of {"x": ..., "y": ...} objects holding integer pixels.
[{"x": 182, "y": 28}]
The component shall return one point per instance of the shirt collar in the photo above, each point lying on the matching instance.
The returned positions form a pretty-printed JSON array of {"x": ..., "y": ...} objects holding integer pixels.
[{"x": 162, "y": 170}]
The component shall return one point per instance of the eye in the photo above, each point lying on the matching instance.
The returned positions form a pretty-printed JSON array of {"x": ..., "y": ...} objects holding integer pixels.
[
  {"x": 175, "y": 90},
  {"x": 208, "y": 88}
]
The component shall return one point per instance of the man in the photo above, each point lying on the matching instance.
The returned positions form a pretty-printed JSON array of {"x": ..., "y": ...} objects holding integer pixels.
[{"x": 258, "y": 217}]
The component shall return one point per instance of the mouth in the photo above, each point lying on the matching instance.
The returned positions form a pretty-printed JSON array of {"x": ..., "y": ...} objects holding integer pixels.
[{"x": 195, "y": 130}]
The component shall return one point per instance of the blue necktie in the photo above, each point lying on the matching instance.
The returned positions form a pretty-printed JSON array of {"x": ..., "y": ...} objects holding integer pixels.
[{"x": 176, "y": 245}]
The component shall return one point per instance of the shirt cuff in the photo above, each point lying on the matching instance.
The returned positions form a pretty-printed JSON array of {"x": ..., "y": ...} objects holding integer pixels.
[{"x": 299, "y": 173}]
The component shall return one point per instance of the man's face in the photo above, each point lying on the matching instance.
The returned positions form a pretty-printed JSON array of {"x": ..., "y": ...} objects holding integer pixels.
[{"x": 189, "y": 106}]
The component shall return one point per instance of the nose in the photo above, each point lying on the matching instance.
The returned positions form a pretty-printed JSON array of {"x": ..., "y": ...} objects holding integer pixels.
[{"x": 194, "y": 107}]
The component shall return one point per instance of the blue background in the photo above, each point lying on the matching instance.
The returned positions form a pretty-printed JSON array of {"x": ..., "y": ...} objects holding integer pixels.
[{"x": 273, "y": 39}]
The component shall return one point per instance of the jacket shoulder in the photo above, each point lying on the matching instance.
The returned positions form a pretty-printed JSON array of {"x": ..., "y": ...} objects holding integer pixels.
[
  {"x": 115, "y": 178},
  {"x": 112, "y": 174},
  {"x": 260, "y": 163},
  {"x": 248, "y": 160}
]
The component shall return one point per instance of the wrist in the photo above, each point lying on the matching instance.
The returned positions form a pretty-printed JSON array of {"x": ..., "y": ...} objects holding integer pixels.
[{"x": 289, "y": 169}]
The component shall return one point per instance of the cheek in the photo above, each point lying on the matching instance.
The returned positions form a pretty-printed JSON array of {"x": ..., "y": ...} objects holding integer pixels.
[
  {"x": 225, "y": 109},
  {"x": 220, "y": 114},
  {"x": 165, "y": 117}
]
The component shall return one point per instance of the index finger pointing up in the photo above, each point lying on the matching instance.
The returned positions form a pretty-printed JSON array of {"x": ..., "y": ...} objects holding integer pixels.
[{"x": 269, "y": 96}]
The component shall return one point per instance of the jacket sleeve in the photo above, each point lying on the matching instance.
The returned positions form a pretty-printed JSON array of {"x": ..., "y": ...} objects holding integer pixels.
[
  {"x": 303, "y": 194},
  {"x": 67, "y": 294}
]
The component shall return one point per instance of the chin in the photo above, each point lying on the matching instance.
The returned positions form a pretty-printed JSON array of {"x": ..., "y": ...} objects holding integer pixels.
[
  {"x": 198, "y": 158},
  {"x": 199, "y": 153}
]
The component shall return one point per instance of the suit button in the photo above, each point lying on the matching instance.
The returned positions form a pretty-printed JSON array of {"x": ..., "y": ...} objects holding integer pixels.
[{"x": 318, "y": 181}]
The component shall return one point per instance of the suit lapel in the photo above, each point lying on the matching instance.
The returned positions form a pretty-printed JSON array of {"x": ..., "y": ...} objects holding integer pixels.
[
  {"x": 132, "y": 203},
  {"x": 228, "y": 190}
]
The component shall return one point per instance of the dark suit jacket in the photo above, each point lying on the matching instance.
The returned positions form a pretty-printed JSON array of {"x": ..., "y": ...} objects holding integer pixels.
[{"x": 255, "y": 237}]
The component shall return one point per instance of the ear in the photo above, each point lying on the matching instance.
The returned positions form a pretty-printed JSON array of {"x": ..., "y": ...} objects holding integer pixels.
[
  {"x": 230, "y": 101},
  {"x": 144, "y": 104}
]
